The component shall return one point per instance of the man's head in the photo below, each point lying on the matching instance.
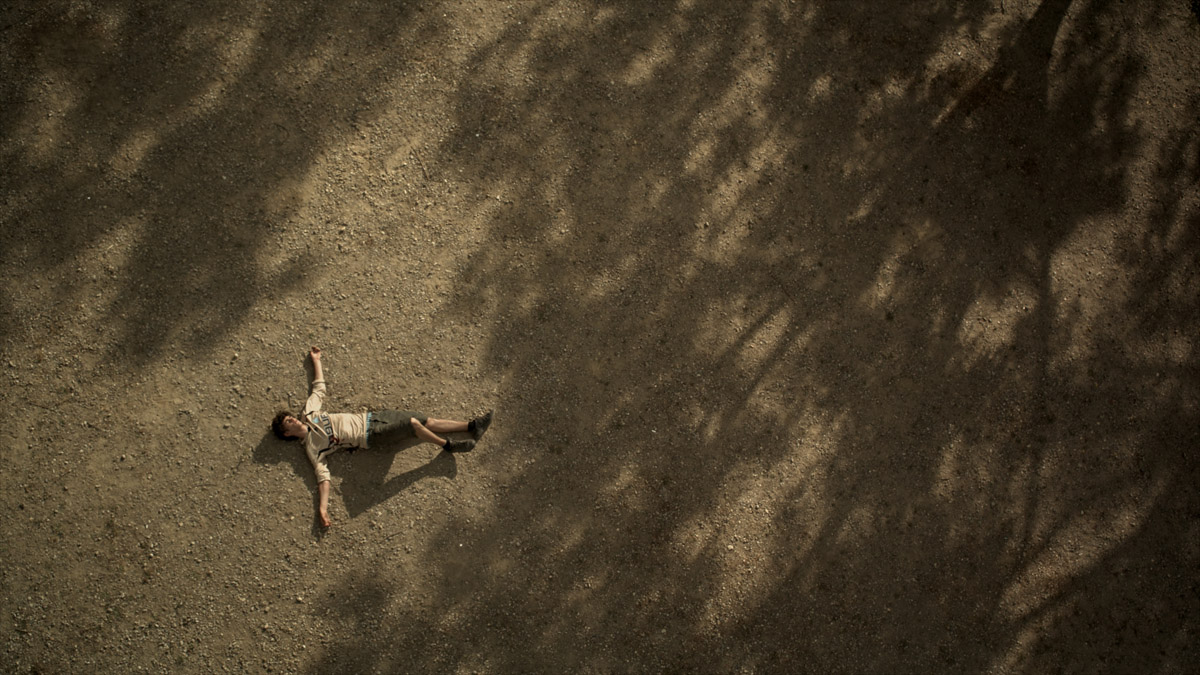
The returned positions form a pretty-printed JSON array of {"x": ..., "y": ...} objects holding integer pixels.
[{"x": 286, "y": 426}]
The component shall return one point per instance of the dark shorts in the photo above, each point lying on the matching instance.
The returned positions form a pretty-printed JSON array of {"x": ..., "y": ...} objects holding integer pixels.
[{"x": 392, "y": 424}]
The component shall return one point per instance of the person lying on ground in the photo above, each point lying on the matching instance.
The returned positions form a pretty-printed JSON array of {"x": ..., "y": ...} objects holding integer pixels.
[{"x": 324, "y": 433}]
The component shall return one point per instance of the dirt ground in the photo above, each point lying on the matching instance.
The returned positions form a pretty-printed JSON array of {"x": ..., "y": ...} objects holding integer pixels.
[{"x": 822, "y": 336}]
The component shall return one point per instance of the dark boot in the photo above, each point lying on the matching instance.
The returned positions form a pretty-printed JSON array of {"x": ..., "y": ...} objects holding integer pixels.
[
  {"x": 479, "y": 425},
  {"x": 459, "y": 446}
]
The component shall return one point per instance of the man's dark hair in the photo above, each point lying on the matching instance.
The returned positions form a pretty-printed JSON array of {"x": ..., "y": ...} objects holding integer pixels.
[{"x": 277, "y": 424}]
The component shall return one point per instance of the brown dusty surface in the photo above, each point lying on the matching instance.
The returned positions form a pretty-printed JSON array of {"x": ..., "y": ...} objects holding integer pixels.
[{"x": 823, "y": 336}]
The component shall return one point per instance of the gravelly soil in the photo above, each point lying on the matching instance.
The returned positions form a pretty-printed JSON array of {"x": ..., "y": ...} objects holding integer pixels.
[{"x": 823, "y": 336}]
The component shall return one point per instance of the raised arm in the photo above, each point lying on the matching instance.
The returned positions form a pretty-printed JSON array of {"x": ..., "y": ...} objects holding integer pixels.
[{"x": 315, "y": 355}]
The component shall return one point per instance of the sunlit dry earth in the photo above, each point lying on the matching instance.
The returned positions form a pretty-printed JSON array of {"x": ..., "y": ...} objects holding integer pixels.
[{"x": 822, "y": 336}]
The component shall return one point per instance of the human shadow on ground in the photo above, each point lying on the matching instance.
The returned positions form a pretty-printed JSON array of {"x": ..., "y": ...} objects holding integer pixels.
[
  {"x": 273, "y": 450},
  {"x": 362, "y": 474},
  {"x": 835, "y": 353},
  {"x": 365, "y": 482}
]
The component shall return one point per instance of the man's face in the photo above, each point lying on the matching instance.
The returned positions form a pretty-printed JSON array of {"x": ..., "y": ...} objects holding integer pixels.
[{"x": 293, "y": 428}]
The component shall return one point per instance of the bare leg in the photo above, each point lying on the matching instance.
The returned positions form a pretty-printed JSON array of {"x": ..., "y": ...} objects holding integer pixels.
[
  {"x": 425, "y": 434},
  {"x": 428, "y": 436},
  {"x": 444, "y": 426}
]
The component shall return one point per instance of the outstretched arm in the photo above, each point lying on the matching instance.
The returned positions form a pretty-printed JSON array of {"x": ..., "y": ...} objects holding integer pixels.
[
  {"x": 323, "y": 487},
  {"x": 323, "y": 504},
  {"x": 315, "y": 355}
]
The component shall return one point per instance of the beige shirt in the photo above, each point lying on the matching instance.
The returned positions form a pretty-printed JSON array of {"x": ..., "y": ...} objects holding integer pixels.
[{"x": 349, "y": 430}]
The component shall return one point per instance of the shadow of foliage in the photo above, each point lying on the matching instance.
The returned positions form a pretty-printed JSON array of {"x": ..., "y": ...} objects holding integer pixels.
[
  {"x": 154, "y": 131},
  {"x": 807, "y": 359}
]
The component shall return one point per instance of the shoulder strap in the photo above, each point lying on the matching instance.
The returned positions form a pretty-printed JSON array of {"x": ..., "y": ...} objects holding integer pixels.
[{"x": 327, "y": 427}]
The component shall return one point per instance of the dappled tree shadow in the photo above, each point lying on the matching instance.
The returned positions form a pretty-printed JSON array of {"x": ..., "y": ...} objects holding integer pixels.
[
  {"x": 819, "y": 346},
  {"x": 809, "y": 352},
  {"x": 123, "y": 129}
]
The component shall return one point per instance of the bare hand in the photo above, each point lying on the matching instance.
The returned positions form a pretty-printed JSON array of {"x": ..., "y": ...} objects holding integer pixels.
[
  {"x": 315, "y": 353},
  {"x": 325, "y": 521}
]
